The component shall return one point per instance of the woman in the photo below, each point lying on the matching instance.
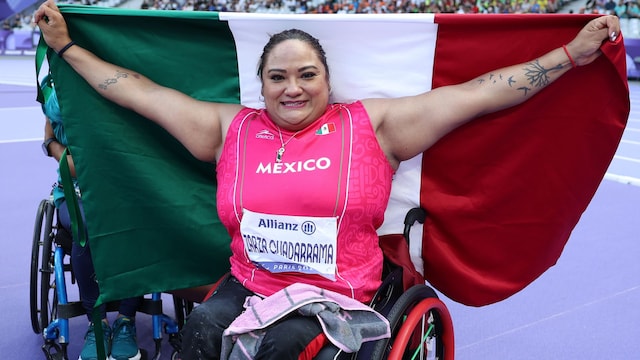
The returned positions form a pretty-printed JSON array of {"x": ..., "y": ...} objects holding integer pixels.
[{"x": 303, "y": 183}]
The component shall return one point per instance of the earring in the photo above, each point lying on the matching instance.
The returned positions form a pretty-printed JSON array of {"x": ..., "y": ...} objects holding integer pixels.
[{"x": 261, "y": 98}]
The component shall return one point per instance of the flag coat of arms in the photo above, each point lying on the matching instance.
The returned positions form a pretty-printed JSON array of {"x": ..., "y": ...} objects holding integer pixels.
[{"x": 502, "y": 193}]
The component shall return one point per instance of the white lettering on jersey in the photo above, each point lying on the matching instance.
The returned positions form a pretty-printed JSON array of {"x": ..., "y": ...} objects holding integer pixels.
[{"x": 322, "y": 163}]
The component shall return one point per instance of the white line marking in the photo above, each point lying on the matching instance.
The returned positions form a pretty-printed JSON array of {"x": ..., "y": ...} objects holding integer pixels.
[
  {"x": 630, "y": 142},
  {"x": 19, "y": 83},
  {"x": 563, "y": 313},
  {"x": 626, "y": 158},
  {"x": 19, "y": 140},
  {"x": 622, "y": 179}
]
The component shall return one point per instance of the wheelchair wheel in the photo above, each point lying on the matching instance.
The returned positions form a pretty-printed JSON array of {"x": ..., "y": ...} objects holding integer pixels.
[
  {"x": 420, "y": 328},
  {"x": 42, "y": 297}
]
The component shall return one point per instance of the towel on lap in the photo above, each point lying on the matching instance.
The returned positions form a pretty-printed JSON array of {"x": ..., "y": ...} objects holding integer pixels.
[{"x": 346, "y": 322}]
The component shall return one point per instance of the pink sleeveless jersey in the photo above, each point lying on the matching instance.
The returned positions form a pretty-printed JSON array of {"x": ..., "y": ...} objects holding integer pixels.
[{"x": 334, "y": 168}]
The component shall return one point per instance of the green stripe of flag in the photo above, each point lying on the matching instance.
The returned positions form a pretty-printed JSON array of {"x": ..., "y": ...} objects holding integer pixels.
[{"x": 146, "y": 198}]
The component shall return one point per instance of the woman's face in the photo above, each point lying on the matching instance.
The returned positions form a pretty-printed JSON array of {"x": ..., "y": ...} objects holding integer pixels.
[{"x": 294, "y": 85}]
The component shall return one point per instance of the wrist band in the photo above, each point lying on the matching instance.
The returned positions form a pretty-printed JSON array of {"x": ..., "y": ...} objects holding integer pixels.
[
  {"x": 65, "y": 48},
  {"x": 573, "y": 63}
]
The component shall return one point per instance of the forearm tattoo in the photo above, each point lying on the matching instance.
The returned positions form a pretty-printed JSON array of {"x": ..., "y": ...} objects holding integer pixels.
[
  {"x": 536, "y": 74},
  {"x": 107, "y": 82}
]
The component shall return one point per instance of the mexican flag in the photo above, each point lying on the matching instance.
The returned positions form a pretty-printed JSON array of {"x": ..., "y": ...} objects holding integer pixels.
[{"x": 502, "y": 193}]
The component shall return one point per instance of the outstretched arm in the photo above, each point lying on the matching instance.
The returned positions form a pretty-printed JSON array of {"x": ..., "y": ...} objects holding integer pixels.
[
  {"x": 199, "y": 127},
  {"x": 404, "y": 130}
]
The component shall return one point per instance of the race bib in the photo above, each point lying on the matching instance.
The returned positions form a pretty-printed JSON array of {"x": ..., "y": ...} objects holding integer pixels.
[{"x": 283, "y": 243}]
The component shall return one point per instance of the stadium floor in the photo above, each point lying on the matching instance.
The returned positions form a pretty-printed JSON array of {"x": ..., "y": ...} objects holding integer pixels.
[{"x": 585, "y": 307}]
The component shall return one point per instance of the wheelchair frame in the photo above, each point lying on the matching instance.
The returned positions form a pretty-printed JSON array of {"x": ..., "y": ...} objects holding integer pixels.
[{"x": 49, "y": 304}]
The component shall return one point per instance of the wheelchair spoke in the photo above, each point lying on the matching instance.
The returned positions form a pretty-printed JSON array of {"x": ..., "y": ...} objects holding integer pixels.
[{"x": 427, "y": 340}]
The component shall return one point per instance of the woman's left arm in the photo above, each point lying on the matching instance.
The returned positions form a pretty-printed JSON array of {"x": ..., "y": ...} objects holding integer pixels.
[{"x": 404, "y": 130}]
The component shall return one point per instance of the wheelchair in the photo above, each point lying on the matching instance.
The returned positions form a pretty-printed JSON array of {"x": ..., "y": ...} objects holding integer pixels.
[
  {"x": 420, "y": 323},
  {"x": 50, "y": 306}
]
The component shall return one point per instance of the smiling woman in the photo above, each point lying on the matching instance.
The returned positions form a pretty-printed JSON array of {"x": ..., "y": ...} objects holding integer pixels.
[{"x": 295, "y": 81}]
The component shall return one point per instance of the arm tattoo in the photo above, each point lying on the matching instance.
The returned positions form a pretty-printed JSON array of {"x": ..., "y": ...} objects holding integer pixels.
[
  {"x": 493, "y": 78},
  {"x": 524, "y": 89},
  {"x": 107, "y": 82},
  {"x": 536, "y": 74},
  {"x": 539, "y": 76}
]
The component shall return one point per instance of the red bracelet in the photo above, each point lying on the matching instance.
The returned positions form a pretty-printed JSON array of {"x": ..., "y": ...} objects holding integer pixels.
[{"x": 573, "y": 63}]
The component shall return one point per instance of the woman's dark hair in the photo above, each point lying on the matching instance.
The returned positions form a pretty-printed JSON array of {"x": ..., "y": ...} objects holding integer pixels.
[{"x": 292, "y": 34}]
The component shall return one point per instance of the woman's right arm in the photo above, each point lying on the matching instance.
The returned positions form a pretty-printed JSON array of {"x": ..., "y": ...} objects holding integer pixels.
[{"x": 198, "y": 125}]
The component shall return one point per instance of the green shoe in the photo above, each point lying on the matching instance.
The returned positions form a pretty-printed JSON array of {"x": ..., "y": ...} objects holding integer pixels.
[
  {"x": 89, "y": 350},
  {"x": 124, "y": 345}
]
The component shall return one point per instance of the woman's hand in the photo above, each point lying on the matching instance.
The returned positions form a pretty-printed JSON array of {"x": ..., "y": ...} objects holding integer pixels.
[
  {"x": 52, "y": 25},
  {"x": 585, "y": 47}
]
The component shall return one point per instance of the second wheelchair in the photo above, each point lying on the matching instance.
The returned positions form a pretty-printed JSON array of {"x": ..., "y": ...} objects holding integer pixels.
[{"x": 50, "y": 306}]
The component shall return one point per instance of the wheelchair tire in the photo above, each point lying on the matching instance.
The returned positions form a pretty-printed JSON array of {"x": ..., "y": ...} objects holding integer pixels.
[
  {"x": 399, "y": 316},
  {"x": 432, "y": 314},
  {"x": 42, "y": 297}
]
